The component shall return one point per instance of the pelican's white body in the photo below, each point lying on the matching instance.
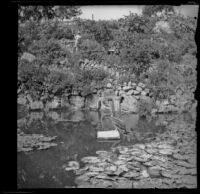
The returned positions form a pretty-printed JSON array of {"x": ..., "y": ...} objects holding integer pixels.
[{"x": 112, "y": 134}]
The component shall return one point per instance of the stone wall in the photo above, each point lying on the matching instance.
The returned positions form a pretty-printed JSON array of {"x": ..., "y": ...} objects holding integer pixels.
[{"x": 123, "y": 98}]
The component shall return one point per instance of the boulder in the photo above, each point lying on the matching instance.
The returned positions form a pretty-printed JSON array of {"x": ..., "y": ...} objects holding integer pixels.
[
  {"x": 54, "y": 104},
  {"x": 109, "y": 85},
  {"x": 137, "y": 97},
  {"x": 136, "y": 92},
  {"x": 28, "y": 56},
  {"x": 21, "y": 100},
  {"x": 127, "y": 88},
  {"x": 64, "y": 102},
  {"x": 143, "y": 93},
  {"x": 36, "y": 105},
  {"x": 130, "y": 92},
  {"x": 154, "y": 172},
  {"x": 77, "y": 101},
  {"x": 129, "y": 104},
  {"x": 138, "y": 88},
  {"x": 141, "y": 85},
  {"x": 133, "y": 84}
]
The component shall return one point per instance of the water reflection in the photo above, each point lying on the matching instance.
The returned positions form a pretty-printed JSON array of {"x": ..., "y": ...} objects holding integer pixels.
[{"x": 76, "y": 137}]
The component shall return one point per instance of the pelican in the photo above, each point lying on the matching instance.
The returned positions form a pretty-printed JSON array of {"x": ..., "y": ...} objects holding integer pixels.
[{"x": 118, "y": 123}]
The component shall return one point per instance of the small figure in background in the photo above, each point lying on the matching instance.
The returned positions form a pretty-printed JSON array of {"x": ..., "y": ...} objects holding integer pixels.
[{"x": 77, "y": 40}]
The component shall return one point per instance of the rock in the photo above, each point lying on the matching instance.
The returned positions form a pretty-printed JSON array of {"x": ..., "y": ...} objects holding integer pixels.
[
  {"x": 131, "y": 174},
  {"x": 123, "y": 168},
  {"x": 137, "y": 97},
  {"x": 144, "y": 173},
  {"x": 141, "y": 85},
  {"x": 109, "y": 85},
  {"x": 21, "y": 100},
  {"x": 154, "y": 172},
  {"x": 140, "y": 146},
  {"x": 135, "y": 92},
  {"x": 141, "y": 159},
  {"x": 125, "y": 157},
  {"x": 111, "y": 168},
  {"x": 129, "y": 104},
  {"x": 151, "y": 163},
  {"x": 191, "y": 171},
  {"x": 27, "y": 56},
  {"x": 81, "y": 170},
  {"x": 143, "y": 93},
  {"x": 179, "y": 156},
  {"x": 133, "y": 84},
  {"x": 166, "y": 151},
  {"x": 165, "y": 102},
  {"x": 151, "y": 150},
  {"x": 54, "y": 104},
  {"x": 77, "y": 101},
  {"x": 119, "y": 162},
  {"x": 117, "y": 92},
  {"x": 36, "y": 105},
  {"x": 129, "y": 83},
  {"x": 165, "y": 146},
  {"x": 123, "y": 184},
  {"x": 53, "y": 115},
  {"x": 190, "y": 180},
  {"x": 130, "y": 92},
  {"x": 146, "y": 90},
  {"x": 127, "y": 88},
  {"x": 139, "y": 89},
  {"x": 183, "y": 163},
  {"x": 169, "y": 174}
]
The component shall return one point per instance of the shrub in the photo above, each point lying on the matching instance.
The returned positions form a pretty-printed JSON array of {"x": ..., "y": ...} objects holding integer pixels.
[
  {"x": 145, "y": 107},
  {"x": 90, "y": 49},
  {"x": 32, "y": 77}
]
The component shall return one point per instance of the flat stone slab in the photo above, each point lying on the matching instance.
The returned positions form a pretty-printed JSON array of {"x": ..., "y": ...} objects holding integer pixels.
[{"x": 113, "y": 134}]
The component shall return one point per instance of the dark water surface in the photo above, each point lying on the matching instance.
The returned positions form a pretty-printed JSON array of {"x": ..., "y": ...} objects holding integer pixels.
[{"x": 76, "y": 133}]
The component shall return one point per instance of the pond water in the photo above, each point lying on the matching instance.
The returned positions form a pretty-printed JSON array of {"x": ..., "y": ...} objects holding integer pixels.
[{"x": 75, "y": 133}]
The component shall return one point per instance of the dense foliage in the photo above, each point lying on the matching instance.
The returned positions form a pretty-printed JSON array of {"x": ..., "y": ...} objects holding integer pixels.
[{"x": 164, "y": 59}]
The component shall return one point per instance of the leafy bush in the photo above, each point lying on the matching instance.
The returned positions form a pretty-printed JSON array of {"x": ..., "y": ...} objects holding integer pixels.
[
  {"x": 145, "y": 107},
  {"x": 31, "y": 78},
  {"x": 90, "y": 49}
]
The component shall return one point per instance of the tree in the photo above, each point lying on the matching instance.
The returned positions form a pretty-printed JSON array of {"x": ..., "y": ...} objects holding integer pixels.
[
  {"x": 37, "y": 13},
  {"x": 152, "y": 10}
]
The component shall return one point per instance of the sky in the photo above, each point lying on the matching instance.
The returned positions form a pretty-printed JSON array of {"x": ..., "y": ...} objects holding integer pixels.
[{"x": 107, "y": 12}]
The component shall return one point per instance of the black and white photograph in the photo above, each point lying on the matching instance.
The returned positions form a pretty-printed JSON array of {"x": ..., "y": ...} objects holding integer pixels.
[{"x": 106, "y": 96}]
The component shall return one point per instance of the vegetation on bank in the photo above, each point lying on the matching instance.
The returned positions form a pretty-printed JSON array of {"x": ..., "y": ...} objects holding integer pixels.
[{"x": 162, "y": 57}]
